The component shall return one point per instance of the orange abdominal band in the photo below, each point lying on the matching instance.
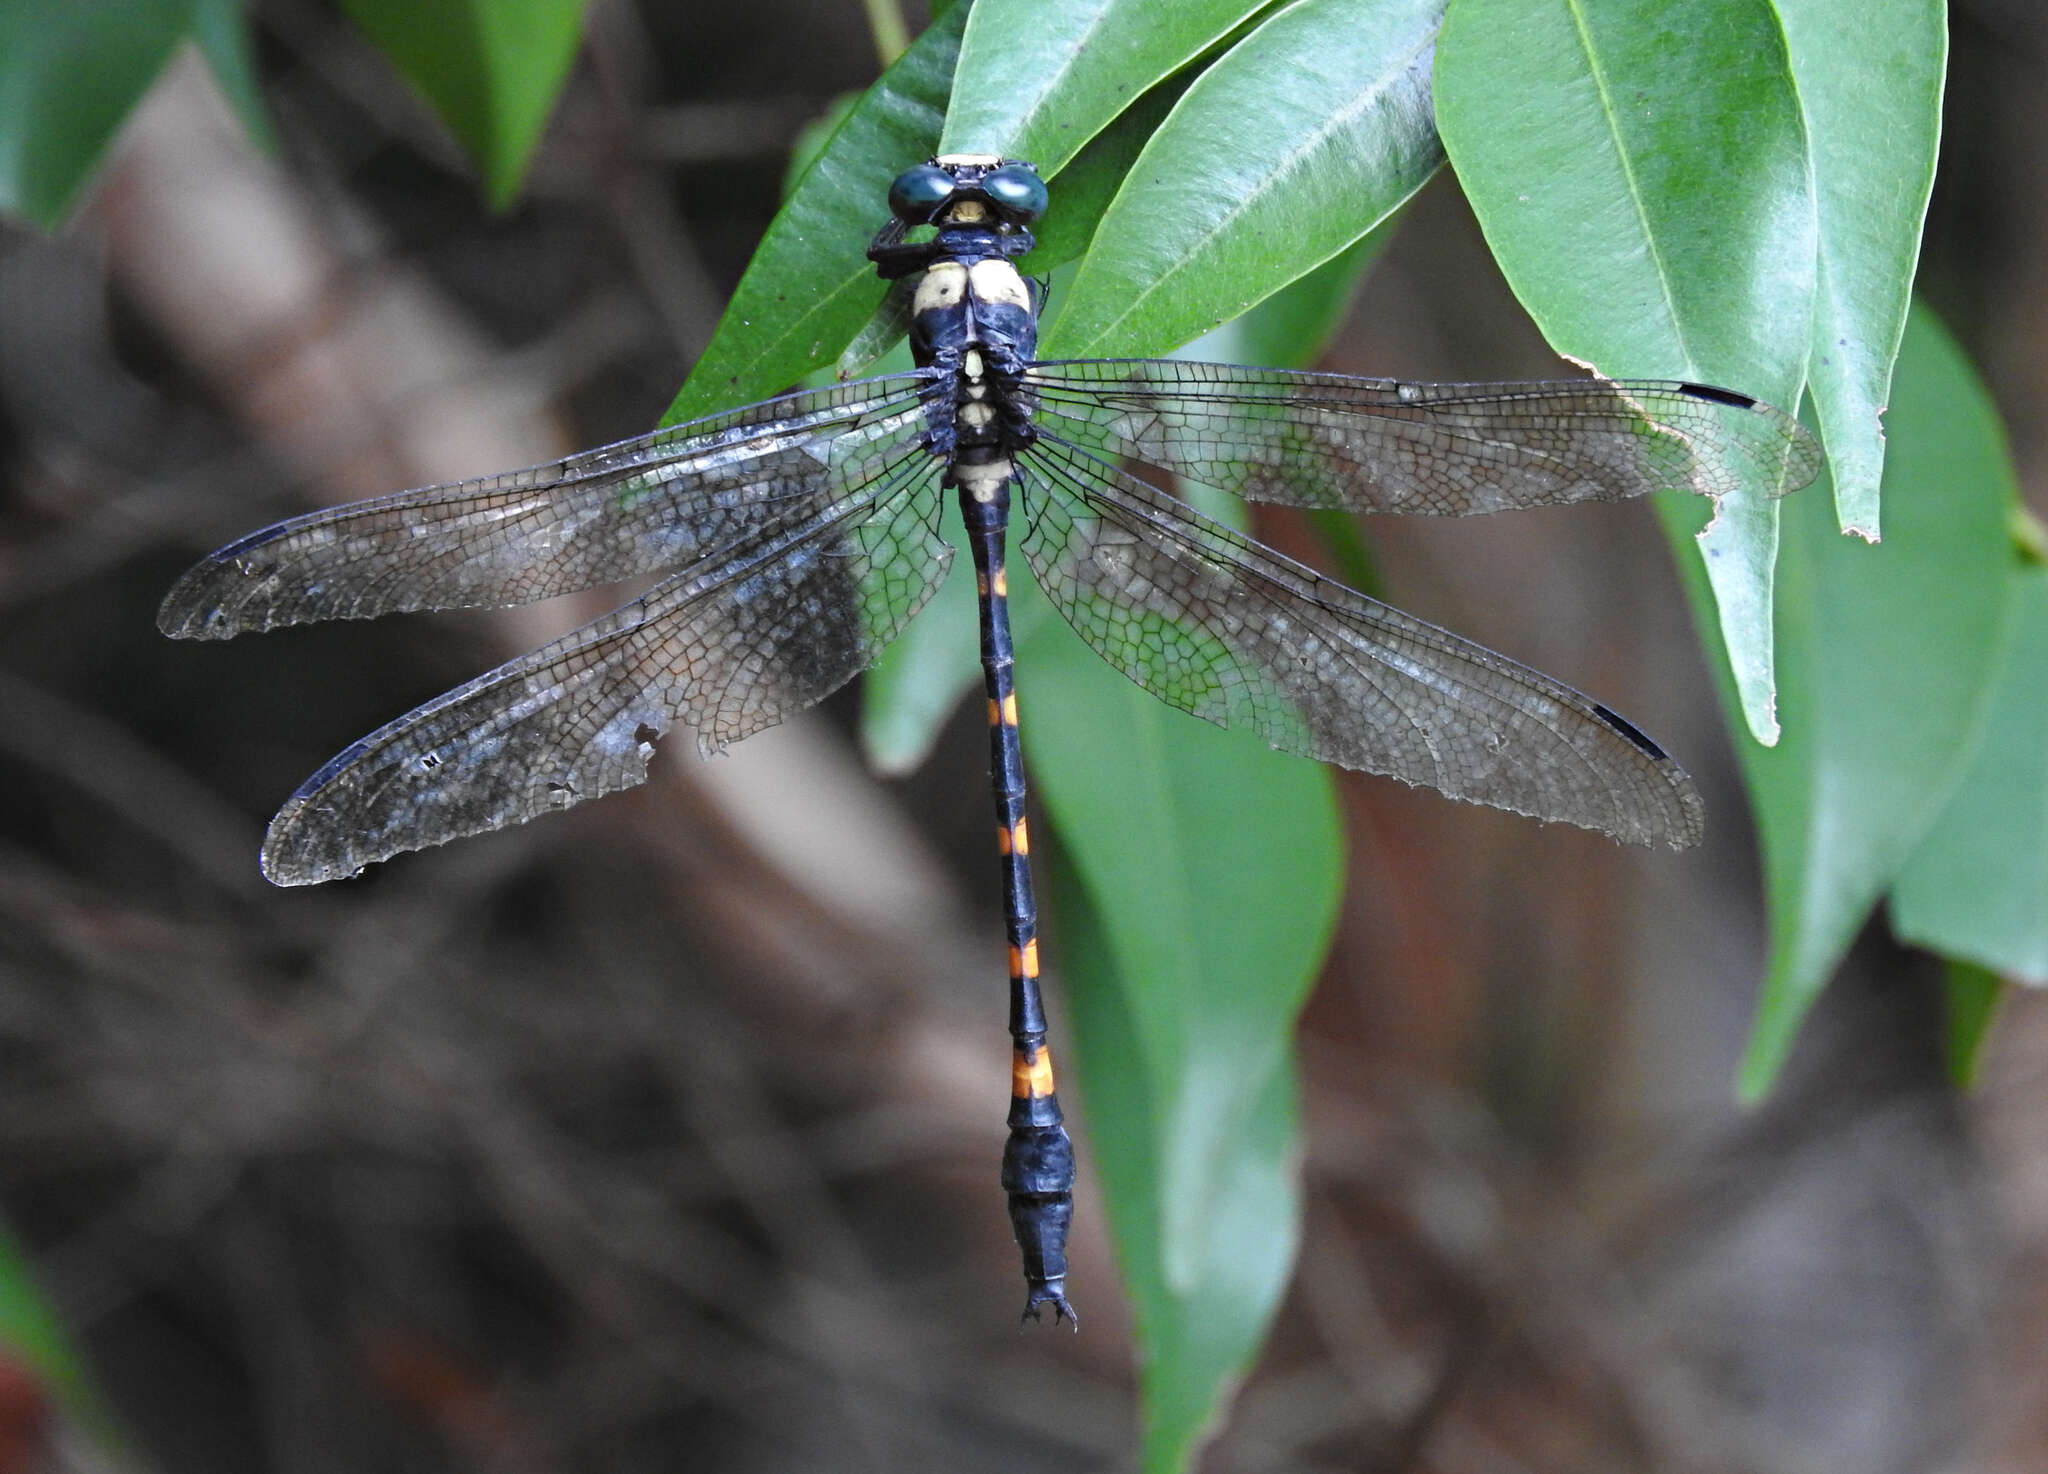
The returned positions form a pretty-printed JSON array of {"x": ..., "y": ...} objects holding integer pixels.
[{"x": 1031, "y": 1079}]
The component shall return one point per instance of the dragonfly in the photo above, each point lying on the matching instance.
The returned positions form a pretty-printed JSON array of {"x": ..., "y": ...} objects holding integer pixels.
[{"x": 789, "y": 541}]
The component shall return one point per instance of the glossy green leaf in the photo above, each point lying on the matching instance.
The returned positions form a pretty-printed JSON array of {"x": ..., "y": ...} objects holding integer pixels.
[
  {"x": 1870, "y": 84},
  {"x": 810, "y": 287},
  {"x": 490, "y": 68},
  {"x": 1209, "y": 870},
  {"x": 71, "y": 73},
  {"x": 1291, "y": 146},
  {"x": 1039, "y": 78},
  {"x": 1888, "y": 655},
  {"x": 1640, "y": 170},
  {"x": 1977, "y": 887},
  {"x": 1291, "y": 328},
  {"x": 813, "y": 136},
  {"x": 1972, "y": 996},
  {"x": 1196, "y": 1347},
  {"x": 1092, "y": 178}
]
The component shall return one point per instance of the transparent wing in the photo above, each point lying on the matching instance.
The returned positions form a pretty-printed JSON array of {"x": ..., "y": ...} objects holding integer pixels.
[
  {"x": 1380, "y": 445},
  {"x": 727, "y": 647},
  {"x": 1231, "y": 631},
  {"x": 619, "y": 512}
]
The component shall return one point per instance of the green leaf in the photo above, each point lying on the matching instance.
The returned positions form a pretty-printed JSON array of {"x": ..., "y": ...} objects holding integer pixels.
[
  {"x": 1870, "y": 84},
  {"x": 810, "y": 287},
  {"x": 1972, "y": 996},
  {"x": 812, "y": 138},
  {"x": 490, "y": 68},
  {"x": 1195, "y": 1346},
  {"x": 71, "y": 73},
  {"x": 1977, "y": 887},
  {"x": 1209, "y": 870},
  {"x": 1888, "y": 658},
  {"x": 1091, "y": 180},
  {"x": 1291, "y": 146},
  {"x": 1640, "y": 170},
  {"x": 1039, "y": 78},
  {"x": 1291, "y": 328}
]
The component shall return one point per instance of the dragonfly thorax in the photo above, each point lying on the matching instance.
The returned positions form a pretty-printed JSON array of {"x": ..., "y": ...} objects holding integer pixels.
[{"x": 963, "y": 305}]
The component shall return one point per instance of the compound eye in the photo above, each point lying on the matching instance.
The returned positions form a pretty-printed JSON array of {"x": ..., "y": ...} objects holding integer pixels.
[
  {"x": 918, "y": 192},
  {"x": 1017, "y": 191}
]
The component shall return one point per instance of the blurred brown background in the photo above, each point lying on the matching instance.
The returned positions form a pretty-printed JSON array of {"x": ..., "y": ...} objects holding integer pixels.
[{"x": 663, "y": 1135}]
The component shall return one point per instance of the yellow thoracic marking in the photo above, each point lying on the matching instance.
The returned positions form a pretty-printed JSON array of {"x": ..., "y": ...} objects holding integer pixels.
[
  {"x": 1010, "y": 710},
  {"x": 997, "y": 282},
  {"x": 1002, "y": 585},
  {"x": 975, "y": 415},
  {"x": 1031, "y": 1079},
  {"x": 971, "y": 365},
  {"x": 943, "y": 286},
  {"x": 983, "y": 481},
  {"x": 1021, "y": 839}
]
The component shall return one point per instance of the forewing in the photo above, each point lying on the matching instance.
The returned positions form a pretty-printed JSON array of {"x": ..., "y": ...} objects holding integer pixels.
[
  {"x": 726, "y": 648},
  {"x": 1222, "y": 627},
  {"x": 1380, "y": 445},
  {"x": 660, "y": 502}
]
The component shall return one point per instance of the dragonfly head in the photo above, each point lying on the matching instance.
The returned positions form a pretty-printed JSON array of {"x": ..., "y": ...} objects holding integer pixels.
[
  {"x": 979, "y": 205},
  {"x": 969, "y": 189}
]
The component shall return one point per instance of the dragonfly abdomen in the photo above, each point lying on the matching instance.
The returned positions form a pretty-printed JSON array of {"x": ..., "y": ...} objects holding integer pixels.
[{"x": 973, "y": 318}]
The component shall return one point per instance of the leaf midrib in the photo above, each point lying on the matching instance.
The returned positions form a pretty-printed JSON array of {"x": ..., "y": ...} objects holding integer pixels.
[{"x": 1576, "y": 9}]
